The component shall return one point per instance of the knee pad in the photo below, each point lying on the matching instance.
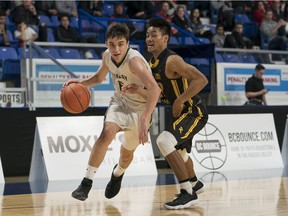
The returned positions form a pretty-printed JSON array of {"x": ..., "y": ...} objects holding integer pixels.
[
  {"x": 184, "y": 154},
  {"x": 166, "y": 142}
]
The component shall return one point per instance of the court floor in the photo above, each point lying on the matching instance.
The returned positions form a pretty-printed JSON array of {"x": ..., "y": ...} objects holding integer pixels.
[{"x": 253, "y": 193}]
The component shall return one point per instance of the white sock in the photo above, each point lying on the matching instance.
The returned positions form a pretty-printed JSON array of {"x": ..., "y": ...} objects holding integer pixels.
[
  {"x": 118, "y": 171},
  {"x": 186, "y": 186},
  {"x": 90, "y": 172}
]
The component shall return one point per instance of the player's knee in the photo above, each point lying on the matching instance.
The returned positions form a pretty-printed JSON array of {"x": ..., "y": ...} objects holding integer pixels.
[
  {"x": 166, "y": 142},
  {"x": 105, "y": 137},
  {"x": 184, "y": 154},
  {"x": 130, "y": 145},
  {"x": 125, "y": 154}
]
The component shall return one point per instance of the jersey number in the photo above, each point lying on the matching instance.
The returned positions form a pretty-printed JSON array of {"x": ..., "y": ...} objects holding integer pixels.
[{"x": 120, "y": 85}]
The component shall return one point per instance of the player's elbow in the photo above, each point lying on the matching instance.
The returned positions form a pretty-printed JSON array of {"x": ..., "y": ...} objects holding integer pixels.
[
  {"x": 204, "y": 81},
  {"x": 158, "y": 91},
  {"x": 155, "y": 90}
]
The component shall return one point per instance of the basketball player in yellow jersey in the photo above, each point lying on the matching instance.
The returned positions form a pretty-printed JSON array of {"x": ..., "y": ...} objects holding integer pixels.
[
  {"x": 126, "y": 112},
  {"x": 180, "y": 83}
]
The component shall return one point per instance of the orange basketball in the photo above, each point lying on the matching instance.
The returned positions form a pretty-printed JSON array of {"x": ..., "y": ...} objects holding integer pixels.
[{"x": 75, "y": 98}]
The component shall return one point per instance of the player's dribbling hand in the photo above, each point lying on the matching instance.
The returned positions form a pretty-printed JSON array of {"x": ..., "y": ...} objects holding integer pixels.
[
  {"x": 69, "y": 81},
  {"x": 143, "y": 130},
  {"x": 177, "y": 108}
]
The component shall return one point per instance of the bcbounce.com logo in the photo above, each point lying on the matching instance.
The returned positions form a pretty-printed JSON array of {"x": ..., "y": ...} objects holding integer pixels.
[{"x": 209, "y": 147}]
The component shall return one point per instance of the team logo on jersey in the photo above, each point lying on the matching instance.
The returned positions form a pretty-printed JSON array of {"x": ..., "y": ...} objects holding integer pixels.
[{"x": 180, "y": 130}]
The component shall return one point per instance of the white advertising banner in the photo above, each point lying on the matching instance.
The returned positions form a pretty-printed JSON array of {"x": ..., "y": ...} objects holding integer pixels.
[
  {"x": 66, "y": 143},
  {"x": 285, "y": 145},
  {"x": 2, "y": 182},
  {"x": 1, "y": 173},
  {"x": 231, "y": 79},
  {"x": 237, "y": 142},
  {"x": 16, "y": 99}
]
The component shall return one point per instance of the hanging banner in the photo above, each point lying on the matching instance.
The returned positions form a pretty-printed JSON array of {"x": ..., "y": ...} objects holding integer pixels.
[
  {"x": 1, "y": 173},
  {"x": 2, "y": 181},
  {"x": 285, "y": 145}
]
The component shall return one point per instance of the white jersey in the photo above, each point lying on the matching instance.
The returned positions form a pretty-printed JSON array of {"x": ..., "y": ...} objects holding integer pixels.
[{"x": 122, "y": 75}]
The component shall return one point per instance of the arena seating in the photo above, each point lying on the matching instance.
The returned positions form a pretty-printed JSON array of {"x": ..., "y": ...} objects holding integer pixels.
[
  {"x": 97, "y": 29},
  {"x": 50, "y": 35},
  {"x": 173, "y": 41},
  {"x": 233, "y": 58},
  {"x": 241, "y": 18},
  {"x": 248, "y": 58},
  {"x": 9, "y": 63},
  {"x": 25, "y": 52},
  {"x": 54, "y": 52},
  {"x": 70, "y": 53}
]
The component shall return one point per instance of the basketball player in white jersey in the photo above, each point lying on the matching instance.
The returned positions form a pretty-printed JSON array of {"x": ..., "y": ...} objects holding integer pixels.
[{"x": 130, "y": 113}]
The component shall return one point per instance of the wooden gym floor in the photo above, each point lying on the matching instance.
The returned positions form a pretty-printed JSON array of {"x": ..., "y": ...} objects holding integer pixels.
[{"x": 252, "y": 193}]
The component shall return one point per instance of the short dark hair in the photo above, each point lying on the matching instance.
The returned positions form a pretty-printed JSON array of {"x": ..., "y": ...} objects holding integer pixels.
[
  {"x": 163, "y": 24},
  {"x": 219, "y": 25},
  {"x": 259, "y": 67},
  {"x": 118, "y": 4},
  {"x": 238, "y": 23},
  {"x": 19, "y": 20},
  {"x": 60, "y": 16},
  {"x": 179, "y": 6},
  {"x": 268, "y": 10},
  {"x": 165, "y": 2},
  {"x": 118, "y": 30}
]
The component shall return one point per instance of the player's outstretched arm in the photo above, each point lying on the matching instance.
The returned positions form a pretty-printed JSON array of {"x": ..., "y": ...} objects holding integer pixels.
[{"x": 98, "y": 77}]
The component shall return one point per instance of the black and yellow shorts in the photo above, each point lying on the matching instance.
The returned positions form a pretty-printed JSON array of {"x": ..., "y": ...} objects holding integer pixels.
[{"x": 187, "y": 125}]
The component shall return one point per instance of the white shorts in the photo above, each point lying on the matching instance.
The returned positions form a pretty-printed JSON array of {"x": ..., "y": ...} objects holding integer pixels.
[{"x": 127, "y": 120}]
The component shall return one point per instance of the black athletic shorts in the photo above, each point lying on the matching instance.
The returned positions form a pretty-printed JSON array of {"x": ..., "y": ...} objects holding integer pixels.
[{"x": 191, "y": 121}]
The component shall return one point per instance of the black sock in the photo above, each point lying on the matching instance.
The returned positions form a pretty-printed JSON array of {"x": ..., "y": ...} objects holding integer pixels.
[{"x": 193, "y": 179}]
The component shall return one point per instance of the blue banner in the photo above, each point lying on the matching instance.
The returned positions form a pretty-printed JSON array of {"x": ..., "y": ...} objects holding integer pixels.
[{"x": 274, "y": 79}]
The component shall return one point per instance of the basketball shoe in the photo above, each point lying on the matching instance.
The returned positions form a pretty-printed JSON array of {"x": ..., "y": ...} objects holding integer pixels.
[
  {"x": 114, "y": 185},
  {"x": 183, "y": 200},
  {"x": 81, "y": 193},
  {"x": 199, "y": 187}
]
